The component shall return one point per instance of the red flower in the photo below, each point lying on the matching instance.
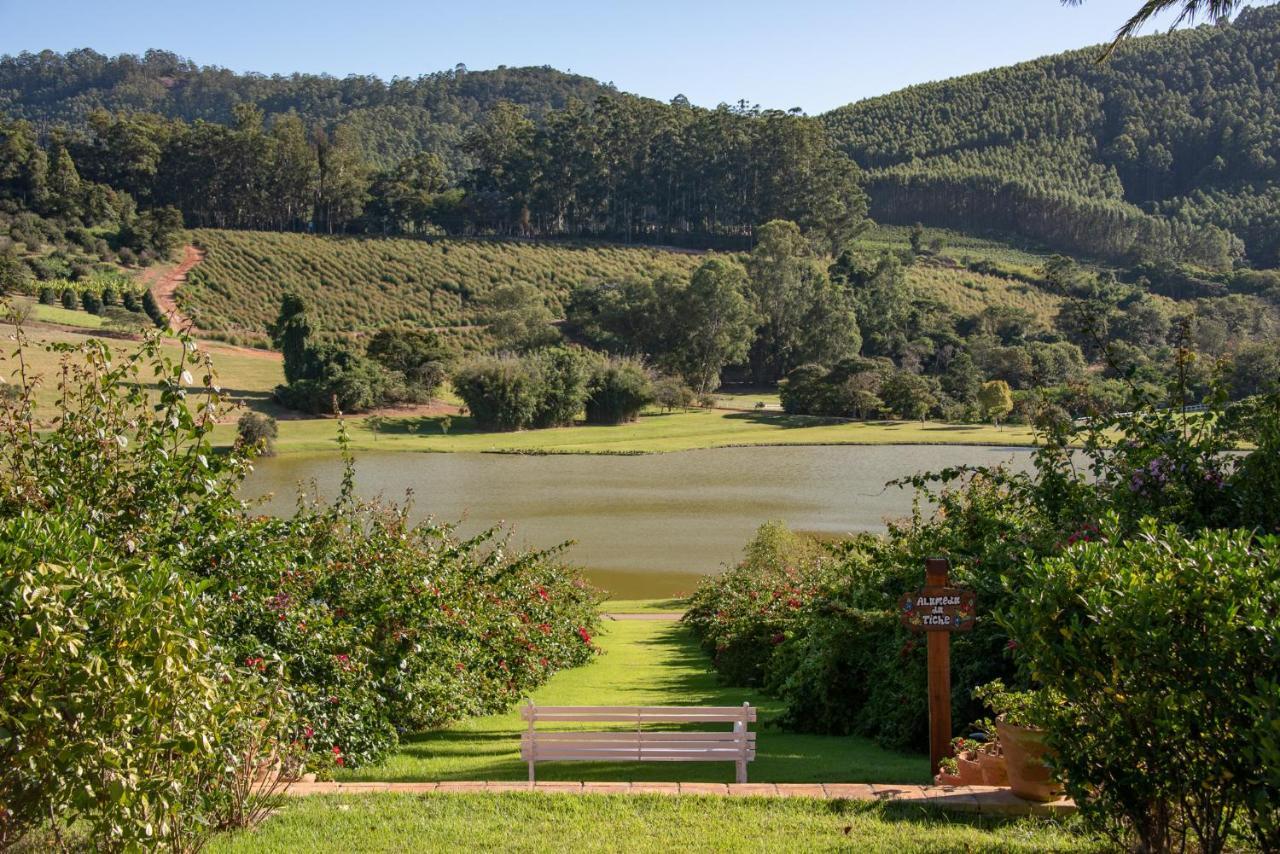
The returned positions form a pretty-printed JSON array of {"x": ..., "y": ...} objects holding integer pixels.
[
  {"x": 585, "y": 635},
  {"x": 545, "y": 628},
  {"x": 543, "y": 595},
  {"x": 308, "y": 732}
]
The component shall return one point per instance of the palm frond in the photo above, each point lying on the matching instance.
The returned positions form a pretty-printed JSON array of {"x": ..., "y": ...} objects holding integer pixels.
[{"x": 1215, "y": 10}]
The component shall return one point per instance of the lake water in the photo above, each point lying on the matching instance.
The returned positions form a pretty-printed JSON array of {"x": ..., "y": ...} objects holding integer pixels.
[{"x": 644, "y": 526}]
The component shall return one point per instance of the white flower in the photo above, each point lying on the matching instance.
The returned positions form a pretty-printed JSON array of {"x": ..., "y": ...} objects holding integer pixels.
[
  {"x": 122, "y": 440},
  {"x": 186, "y": 378}
]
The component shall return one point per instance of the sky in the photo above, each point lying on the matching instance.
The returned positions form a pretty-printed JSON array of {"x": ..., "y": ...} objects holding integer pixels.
[{"x": 811, "y": 54}]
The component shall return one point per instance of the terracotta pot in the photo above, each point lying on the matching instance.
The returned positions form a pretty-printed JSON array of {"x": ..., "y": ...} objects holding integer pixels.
[
  {"x": 1024, "y": 753},
  {"x": 945, "y": 779},
  {"x": 994, "y": 769},
  {"x": 970, "y": 770}
]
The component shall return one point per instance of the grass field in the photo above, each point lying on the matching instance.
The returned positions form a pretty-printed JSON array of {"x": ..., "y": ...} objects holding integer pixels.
[
  {"x": 654, "y": 432},
  {"x": 250, "y": 378},
  {"x": 645, "y": 663},
  {"x": 641, "y": 823}
]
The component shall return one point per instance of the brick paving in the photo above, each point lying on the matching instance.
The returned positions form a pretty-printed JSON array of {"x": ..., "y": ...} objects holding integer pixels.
[{"x": 987, "y": 800}]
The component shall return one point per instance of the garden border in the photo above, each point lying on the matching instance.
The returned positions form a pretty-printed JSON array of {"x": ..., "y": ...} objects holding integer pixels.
[{"x": 985, "y": 800}]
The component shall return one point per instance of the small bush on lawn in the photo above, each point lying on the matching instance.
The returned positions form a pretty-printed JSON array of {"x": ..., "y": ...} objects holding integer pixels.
[
  {"x": 1164, "y": 650},
  {"x": 257, "y": 430},
  {"x": 501, "y": 392},
  {"x": 619, "y": 389}
]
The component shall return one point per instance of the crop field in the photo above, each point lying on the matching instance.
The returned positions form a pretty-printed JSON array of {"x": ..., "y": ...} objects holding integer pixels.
[
  {"x": 966, "y": 292},
  {"x": 356, "y": 284},
  {"x": 360, "y": 284}
]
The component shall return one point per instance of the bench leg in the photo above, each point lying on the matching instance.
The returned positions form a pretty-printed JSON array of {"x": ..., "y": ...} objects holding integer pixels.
[
  {"x": 742, "y": 770},
  {"x": 530, "y": 773}
]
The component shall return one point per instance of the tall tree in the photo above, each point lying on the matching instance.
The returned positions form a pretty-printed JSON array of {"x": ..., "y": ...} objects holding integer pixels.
[{"x": 714, "y": 324}]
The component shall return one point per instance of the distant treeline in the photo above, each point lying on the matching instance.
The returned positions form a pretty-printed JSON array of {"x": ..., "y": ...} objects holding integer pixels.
[{"x": 620, "y": 168}]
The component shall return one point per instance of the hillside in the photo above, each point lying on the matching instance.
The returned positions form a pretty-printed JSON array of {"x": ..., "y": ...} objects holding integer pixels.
[
  {"x": 1081, "y": 154},
  {"x": 1171, "y": 149},
  {"x": 392, "y": 120}
]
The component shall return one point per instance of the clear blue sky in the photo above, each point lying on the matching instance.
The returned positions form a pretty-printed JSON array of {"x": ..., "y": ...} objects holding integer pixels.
[{"x": 813, "y": 55}]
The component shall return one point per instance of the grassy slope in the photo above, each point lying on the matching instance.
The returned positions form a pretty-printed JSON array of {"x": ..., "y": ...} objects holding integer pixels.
[
  {"x": 641, "y": 823},
  {"x": 645, "y": 663}
]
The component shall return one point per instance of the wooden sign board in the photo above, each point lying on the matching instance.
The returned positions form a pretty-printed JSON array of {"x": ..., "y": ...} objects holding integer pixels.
[{"x": 938, "y": 609}]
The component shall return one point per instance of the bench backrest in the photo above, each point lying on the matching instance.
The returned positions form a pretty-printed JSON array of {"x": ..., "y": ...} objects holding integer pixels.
[{"x": 639, "y": 714}]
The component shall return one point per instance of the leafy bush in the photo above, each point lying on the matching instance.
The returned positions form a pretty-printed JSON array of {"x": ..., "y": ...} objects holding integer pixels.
[
  {"x": 91, "y": 301},
  {"x": 336, "y": 378},
  {"x": 1163, "y": 648},
  {"x": 742, "y": 614},
  {"x": 619, "y": 389},
  {"x": 117, "y": 713},
  {"x": 257, "y": 430},
  {"x": 563, "y": 374},
  {"x": 501, "y": 392},
  {"x": 673, "y": 393},
  {"x": 419, "y": 357}
]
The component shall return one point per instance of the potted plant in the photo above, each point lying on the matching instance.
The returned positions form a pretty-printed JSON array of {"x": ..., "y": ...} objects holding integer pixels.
[
  {"x": 965, "y": 752},
  {"x": 991, "y": 755},
  {"x": 948, "y": 773},
  {"x": 1021, "y": 741}
]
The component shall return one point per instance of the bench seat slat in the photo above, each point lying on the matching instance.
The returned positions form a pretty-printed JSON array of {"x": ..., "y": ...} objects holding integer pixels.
[
  {"x": 618, "y": 744},
  {"x": 695, "y": 756},
  {"x": 646, "y": 736}
]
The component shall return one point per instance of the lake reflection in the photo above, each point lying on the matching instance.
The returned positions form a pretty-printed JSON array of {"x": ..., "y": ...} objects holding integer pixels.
[{"x": 645, "y": 526}]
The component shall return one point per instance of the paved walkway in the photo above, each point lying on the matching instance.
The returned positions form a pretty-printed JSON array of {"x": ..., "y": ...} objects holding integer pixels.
[{"x": 972, "y": 799}]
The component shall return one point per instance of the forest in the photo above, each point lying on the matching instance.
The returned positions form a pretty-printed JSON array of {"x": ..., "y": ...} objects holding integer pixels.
[
  {"x": 1169, "y": 149},
  {"x": 1172, "y": 138}
]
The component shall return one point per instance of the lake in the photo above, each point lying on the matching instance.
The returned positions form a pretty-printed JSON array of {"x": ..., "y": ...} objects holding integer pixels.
[{"x": 645, "y": 526}]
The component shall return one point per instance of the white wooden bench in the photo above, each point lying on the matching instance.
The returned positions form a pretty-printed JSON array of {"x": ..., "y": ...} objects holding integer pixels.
[{"x": 737, "y": 745}]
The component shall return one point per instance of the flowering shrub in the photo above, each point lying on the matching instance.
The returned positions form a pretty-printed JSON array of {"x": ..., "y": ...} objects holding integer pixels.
[
  {"x": 382, "y": 627},
  {"x": 331, "y": 631},
  {"x": 741, "y": 616}
]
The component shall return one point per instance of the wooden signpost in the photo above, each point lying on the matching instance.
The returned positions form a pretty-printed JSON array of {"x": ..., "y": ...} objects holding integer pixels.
[{"x": 938, "y": 610}]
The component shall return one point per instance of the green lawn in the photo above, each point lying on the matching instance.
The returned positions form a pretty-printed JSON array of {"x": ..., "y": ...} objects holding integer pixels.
[
  {"x": 65, "y": 316},
  {"x": 645, "y": 663},
  {"x": 654, "y": 432},
  {"x": 657, "y": 823},
  {"x": 643, "y": 606}
]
